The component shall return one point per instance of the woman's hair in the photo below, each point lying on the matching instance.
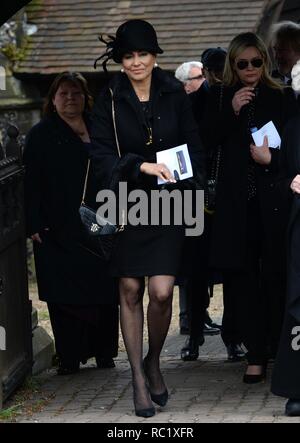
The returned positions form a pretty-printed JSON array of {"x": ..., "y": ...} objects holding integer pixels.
[
  {"x": 72, "y": 77},
  {"x": 213, "y": 77},
  {"x": 236, "y": 47}
]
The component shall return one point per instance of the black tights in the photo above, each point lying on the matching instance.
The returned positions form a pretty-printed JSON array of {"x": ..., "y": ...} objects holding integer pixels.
[{"x": 159, "y": 313}]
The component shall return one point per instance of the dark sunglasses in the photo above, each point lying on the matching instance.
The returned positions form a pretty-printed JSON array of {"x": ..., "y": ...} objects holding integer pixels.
[
  {"x": 198, "y": 77},
  {"x": 255, "y": 63}
]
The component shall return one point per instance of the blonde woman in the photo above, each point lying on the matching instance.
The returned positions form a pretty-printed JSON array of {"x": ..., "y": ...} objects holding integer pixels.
[{"x": 251, "y": 217}]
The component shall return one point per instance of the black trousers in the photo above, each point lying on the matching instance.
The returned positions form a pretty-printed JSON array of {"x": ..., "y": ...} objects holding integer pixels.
[
  {"x": 198, "y": 301},
  {"x": 83, "y": 332},
  {"x": 198, "y": 295},
  {"x": 230, "y": 333},
  {"x": 243, "y": 290}
]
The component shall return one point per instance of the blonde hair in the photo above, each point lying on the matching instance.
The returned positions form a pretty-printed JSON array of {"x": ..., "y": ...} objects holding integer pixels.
[
  {"x": 236, "y": 47},
  {"x": 213, "y": 77}
]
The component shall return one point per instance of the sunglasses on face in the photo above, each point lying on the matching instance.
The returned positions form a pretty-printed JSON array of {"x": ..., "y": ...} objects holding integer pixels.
[
  {"x": 198, "y": 77},
  {"x": 255, "y": 63}
]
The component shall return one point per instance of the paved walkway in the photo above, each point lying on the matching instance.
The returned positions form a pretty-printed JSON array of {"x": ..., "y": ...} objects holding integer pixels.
[{"x": 208, "y": 390}]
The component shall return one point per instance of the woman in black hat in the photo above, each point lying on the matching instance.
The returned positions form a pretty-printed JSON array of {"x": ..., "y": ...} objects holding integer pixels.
[{"x": 151, "y": 113}]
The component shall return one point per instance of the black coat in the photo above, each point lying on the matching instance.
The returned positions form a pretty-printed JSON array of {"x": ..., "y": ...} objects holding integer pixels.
[
  {"x": 171, "y": 120},
  {"x": 290, "y": 167},
  {"x": 230, "y": 224},
  {"x": 56, "y": 162},
  {"x": 286, "y": 381}
]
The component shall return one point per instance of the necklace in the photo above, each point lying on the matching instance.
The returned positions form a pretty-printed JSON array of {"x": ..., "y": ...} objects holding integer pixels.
[
  {"x": 143, "y": 98},
  {"x": 150, "y": 141}
]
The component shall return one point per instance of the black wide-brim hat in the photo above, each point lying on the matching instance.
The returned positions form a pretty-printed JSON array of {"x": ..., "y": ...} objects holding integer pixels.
[{"x": 135, "y": 35}]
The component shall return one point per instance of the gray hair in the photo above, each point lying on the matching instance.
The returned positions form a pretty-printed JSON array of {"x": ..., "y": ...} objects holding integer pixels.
[
  {"x": 288, "y": 33},
  {"x": 182, "y": 72}
]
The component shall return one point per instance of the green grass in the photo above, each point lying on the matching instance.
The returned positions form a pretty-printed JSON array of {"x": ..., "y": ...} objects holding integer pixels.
[
  {"x": 10, "y": 414},
  {"x": 43, "y": 315},
  {"x": 23, "y": 403}
]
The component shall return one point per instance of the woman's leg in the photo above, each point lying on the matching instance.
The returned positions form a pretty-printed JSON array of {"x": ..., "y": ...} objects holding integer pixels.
[
  {"x": 159, "y": 316},
  {"x": 132, "y": 322}
]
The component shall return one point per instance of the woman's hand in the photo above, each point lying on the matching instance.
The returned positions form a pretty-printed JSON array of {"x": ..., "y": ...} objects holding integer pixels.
[
  {"x": 159, "y": 170},
  {"x": 241, "y": 98},
  {"x": 295, "y": 186},
  {"x": 36, "y": 237},
  {"x": 261, "y": 154}
]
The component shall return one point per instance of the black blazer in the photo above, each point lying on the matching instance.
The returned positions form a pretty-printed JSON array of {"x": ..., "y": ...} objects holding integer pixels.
[{"x": 171, "y": 120}]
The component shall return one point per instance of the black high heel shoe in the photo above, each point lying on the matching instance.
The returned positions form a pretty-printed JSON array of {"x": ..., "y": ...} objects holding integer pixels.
[
  {"x": 159, "y": 399},
  {"x": 257, "y": 378},
  {"x": 144, "y": 412},
  {"x": 190, "y": 351}
]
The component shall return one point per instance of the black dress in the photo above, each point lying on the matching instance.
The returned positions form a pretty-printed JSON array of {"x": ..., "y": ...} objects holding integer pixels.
[
  {"x": 143, "y": 250},
  {"x": 82, "y": 297}
]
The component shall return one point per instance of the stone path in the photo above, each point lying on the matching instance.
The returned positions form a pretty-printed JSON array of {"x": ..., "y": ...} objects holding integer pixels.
[{"x": 208, "y": 390}]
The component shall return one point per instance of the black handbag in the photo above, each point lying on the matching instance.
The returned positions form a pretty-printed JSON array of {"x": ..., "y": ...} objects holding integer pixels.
[{"x": 99, "y": 235}]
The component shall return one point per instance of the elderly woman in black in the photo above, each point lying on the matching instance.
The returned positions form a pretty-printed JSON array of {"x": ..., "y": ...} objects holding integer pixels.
[
  {"x": 82, "y": 299},
  {"x": 152, "y": 113},
  {"x": 251, "y": 217},
  {"x": 286, "y": 380}
]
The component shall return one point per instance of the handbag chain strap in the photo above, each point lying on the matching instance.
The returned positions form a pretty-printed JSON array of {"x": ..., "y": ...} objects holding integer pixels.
[
  {"x": 114, "y": 120},
  {"x": 117, "y": 143},
  {"x": 85, "y": 182},
  {"x": 121, "y": 228}
]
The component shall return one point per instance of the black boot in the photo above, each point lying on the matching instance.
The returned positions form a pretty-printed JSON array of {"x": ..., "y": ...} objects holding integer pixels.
[
  {"x": 292, "y": 408},
  {"x": 190, "y": 351},
  {"x": 235, "y": 353},
  {"x": 105, "y": 363}
]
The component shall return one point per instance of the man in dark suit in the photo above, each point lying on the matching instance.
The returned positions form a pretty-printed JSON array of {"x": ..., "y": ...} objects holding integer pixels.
[{"x": 286, "y": 46}]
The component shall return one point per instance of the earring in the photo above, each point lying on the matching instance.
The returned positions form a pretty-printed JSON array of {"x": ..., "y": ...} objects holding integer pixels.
[
  {"x": 155, "y": 65},
  {"x": 122, "y": 70}
]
